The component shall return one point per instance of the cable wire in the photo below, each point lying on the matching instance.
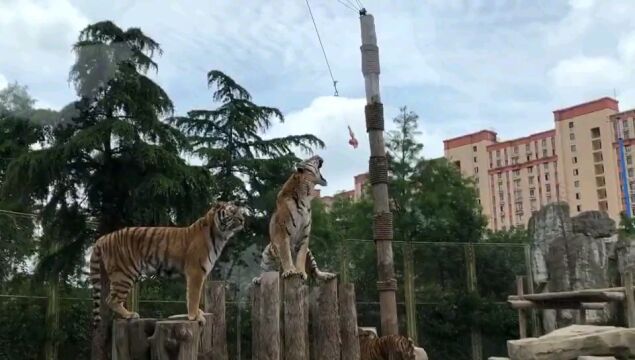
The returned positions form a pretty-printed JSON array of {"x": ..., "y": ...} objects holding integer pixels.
[
  {"x": 348, "y": 5},
  {"x": 322, "y": 46}
]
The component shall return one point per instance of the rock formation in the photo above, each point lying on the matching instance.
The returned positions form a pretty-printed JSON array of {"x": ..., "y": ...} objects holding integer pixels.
[{"x": 571, "y": 254}]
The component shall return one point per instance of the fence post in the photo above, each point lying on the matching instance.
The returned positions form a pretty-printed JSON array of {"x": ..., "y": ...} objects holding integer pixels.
[
  {"x": 215, "y": 305},
  {"x": 348, "y": 322},
  {"x": 205, "y": 349},
  {"x": 535, "y": 329},
  {"x": 328, "y": 335},
  {"x": 131, "y": 338},
  {"x": 269, "y": 316},
  {"x": 522, "y": 317},
  {"x": 409, "y": 292},
  {"x": 475, "y": 333},
  {"x": 629, "y": 302}
]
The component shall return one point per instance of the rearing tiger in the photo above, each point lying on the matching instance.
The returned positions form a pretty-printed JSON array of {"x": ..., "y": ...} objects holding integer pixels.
[
  {"x": 127, "y": 253},
  {"x": 290, "y": 225}
]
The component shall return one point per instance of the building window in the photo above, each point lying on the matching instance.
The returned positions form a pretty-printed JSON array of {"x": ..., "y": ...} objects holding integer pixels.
[
  {"x": 502, "y": 209},
  {"x": 601, "y": 194},
  {"x": 530, "y": 169},
  {"x": 498, "y": 153},
  {"x": 579, "y": 208},
  {"x": 498, "y": 162},
  {"x": 576, "y": 183},
  {"x": 599, "y": 181},
  {"x": 547, "y": 177},
  {"x": 500, "y": 176},
  {"x": 572, "y": 136},
  {"x": 544, "y": 142},
  {"x": 575, "y": 159},
  {"x": 476, "y": 170},
  {"x": 527, "y": 148},
  {"x": 599, "y": 169},
  {"x": 544, "y": 152},
  {"x": 545, "y": 166},
  {"x": 531, "y": 180},
  {"x": 519, "y": 206},
  {"x": 577, "y": 196},
  {"x": 516, "y": 172},
  {"x": 630, "y": 172},
  {"x": 629, "y": 159},
  {"x": 570, "y": 124},
  {"x": 475, "y": 159},
  {"x": 603, "y": 206},
  {"x": 597, "y": 156},
  {"x": 548, "y": 188},
  {"x": 627, "y": 149},
  {"x": 595, "y": 132},
  {"x": 516, "y": 149},
  {"x": 474, "y": 148},
  {"x": 596, "y": 144},
  {"x": 575, "y": 172},
  {"x": 532, "y": 192},
  {"x": 573, "y": 148}
]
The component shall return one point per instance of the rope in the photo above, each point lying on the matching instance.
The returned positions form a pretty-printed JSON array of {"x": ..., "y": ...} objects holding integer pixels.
[{"x": 322, "y": 46}]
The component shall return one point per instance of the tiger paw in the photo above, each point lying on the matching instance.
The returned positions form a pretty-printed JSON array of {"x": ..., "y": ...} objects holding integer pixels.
[
  {"x": 290, "y": 273},
  {"x": 325, "y": 276},
  {"x": 303, "y": 275},
  {"x": 198, "y": 318},
  {"x": 132, "y": 315}
]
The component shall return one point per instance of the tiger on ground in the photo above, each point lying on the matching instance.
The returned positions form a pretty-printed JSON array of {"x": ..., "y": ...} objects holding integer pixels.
[
  {"x": 393, "y": 347},
  {"x": 290, "y": 225},
  {"x": 192, "y": 251}
]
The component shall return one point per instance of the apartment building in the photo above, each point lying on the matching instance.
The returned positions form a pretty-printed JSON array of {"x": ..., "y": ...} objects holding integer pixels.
[{"x": 576, "y": 162}]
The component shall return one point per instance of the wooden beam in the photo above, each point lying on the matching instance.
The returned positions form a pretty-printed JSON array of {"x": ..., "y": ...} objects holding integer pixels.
[
  {"x": 569, "y": 305},
  {"x": 579, "y": 295},
  {"x": 348, "y": 322},
  {"x": 215, "y": 305},
  {"x": 293, "y": 318},
  {"x": 270, "y": 316},
  {"x": 327, "y": 339}
]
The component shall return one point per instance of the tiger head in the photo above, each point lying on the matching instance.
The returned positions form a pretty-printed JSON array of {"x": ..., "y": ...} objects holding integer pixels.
[
  {"x": 228, "y": 217},
  {"x": 310, "y": 170}
]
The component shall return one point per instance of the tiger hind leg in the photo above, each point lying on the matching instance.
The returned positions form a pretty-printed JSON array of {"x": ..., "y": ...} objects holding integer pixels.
[
  {"x": 312, "y": 267},
  {"x": 119, "y": 288}
]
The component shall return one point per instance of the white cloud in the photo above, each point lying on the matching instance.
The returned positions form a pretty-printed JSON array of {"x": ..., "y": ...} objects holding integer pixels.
[
  {"x": 588, "y": 72},
  {"x": 3, "y": 82}
]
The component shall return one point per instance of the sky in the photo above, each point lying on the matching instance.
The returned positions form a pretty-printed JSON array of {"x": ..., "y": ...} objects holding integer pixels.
[{"x": 461, "y": 65}]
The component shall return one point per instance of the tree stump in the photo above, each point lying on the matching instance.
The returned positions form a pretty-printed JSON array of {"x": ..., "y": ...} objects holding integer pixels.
[
  {"x": 348, "y": 322},
  {"x": 205, "y": 349},
  {"x": 215, "y": 305},
  {"x": 293, "y": 318},
  {"x": 327, "y": 338},
  {"x": 270, "y": 316},
  {"x": 131, "y": 338},
  {"x": 175, "y": 340}
]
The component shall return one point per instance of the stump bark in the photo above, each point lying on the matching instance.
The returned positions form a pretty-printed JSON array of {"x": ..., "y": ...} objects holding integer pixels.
[
  {"x": 327, "y": 338},
  {"x": 215, "y": 305},
  {"x": 131, "y": 338},
  {"x": 175, "y": 340},
  {"x": 293, "y": 318},
  {"x": 270, "y": 316},
  {"x": 205, "y": 349},
  {"x": 348, "y": 322},
  {"x": 255, "y": 322}
]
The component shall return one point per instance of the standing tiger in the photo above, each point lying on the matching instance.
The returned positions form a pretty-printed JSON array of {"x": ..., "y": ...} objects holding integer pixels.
[
  {"x": 127, "y": 253},
  {"x": 393, "y": 347},
  {"x": 290, "y": 225}
]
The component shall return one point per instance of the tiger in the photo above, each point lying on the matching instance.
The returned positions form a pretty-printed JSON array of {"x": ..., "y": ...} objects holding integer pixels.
[
  {"x": 192, "y": 251},
  {"x": 395, "y": 347},
  {"x": 290, "y": 225}
]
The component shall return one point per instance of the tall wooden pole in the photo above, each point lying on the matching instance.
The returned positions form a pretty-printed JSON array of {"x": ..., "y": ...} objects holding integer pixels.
[{"x": 378, "y": 171}]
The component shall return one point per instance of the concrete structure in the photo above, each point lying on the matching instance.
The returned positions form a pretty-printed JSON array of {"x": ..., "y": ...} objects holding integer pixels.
[
  {"x": 355, "y": 194},
  {"x": 575, "y": 162}
]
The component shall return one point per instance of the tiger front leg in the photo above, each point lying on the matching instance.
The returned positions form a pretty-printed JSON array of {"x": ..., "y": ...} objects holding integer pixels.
[
  {"x": 194, "y": 286},
  {"x": 283, "y": 248}
]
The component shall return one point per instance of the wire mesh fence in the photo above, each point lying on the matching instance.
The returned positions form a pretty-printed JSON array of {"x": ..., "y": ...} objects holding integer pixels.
[{"x": 451, "y": 300}]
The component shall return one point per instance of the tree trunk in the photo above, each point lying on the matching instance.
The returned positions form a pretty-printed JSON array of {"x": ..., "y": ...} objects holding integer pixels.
[
  {"x": 215, "y": 305},
  {"x": 132, "y": 338},
  {"x": 327, "y": 339},
  {"x": 294, "y": 324},
  {"x": 378, "y": 174},
  {"x": 348, "y": 322},
  {"x": 175, "y": 340},
  {"x": 270, "y": 316}
]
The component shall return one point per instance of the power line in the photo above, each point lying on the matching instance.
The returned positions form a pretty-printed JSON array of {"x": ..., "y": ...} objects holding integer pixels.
[
  {"x": 31, "y": 215},
  {"x": 322, "y": 46},
  {"x": 348, "y": 5}
]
